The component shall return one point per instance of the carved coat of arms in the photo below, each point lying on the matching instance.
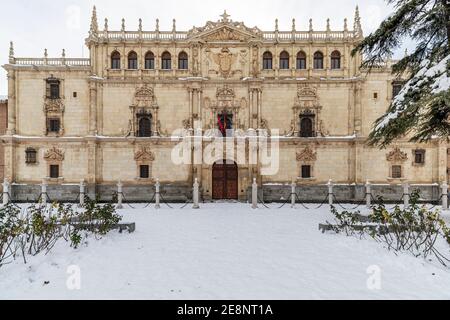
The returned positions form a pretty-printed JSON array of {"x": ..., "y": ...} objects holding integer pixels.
[{"x": 225, "y": 59}]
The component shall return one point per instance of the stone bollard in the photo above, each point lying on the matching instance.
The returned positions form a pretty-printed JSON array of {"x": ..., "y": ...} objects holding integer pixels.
[
  {"x": 119, "y": 195},
  {"x": 158, "y": 194},
  {"x": 368, "y": 195},
  {"x": 293, "y": 194},
  {"x": 196, "y": 196},
  {"x": 406, "y": 194},
  {"x": 330, "y": 192},
  {"x": 82, "y": 193},
  {"x": 44, "y": 192},
  {"x": 445, "y": 196},
  {"x": 255, "y": 194},
  {"x": 6, "y": 192}
]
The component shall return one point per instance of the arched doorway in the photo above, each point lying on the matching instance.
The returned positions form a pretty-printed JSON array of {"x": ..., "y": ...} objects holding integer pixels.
[{"x": 225, "y": 181}]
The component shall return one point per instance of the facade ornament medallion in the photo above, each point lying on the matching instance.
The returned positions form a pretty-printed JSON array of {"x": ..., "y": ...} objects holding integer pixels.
[
  {"x": 307, "y": 155},
  {"x": 396, "y": 156},
  {"x": 144, "y": 154},
  {"x": 54, "y": 155},
  {"x": 53, "y": 106},
  {"x": 225, "y": 59}
]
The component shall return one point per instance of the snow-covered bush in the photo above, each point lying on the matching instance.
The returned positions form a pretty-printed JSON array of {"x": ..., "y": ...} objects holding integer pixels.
[
  {"x": 38, "y": 228},
  {"x": 414, "y": 229}
]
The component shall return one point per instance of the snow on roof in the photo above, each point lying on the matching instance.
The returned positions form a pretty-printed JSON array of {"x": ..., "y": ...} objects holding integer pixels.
[{"x": 3, "y": 98}]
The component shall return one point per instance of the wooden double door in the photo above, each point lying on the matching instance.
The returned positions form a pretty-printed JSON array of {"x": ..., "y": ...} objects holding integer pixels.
[{"x": 225, "y": 181}]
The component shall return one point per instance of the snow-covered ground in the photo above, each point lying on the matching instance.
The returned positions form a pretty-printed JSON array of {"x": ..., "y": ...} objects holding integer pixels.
[{"x": 227, "y": 251}]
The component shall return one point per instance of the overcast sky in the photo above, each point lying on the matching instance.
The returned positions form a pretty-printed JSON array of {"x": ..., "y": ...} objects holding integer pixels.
[{"x": 38, "y": 24}]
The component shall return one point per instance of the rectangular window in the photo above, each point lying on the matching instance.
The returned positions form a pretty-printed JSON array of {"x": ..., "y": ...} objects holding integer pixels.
[
  {"x": 31, "y": 156},
  {"x": 396, "y": 172},
  {"x": 396, "y": 88},
  {"x": 145, "y": 172},
  {"x": 54, "y": 125},
  {"x": 419, "y": 156},
  {"x": 375, "y": 95},
  {"x": 75, "y": 94},
  {"x": 53, "y": 88},
  {"x": 306, "y": 172},
  {"x": 54, "y": 171}
]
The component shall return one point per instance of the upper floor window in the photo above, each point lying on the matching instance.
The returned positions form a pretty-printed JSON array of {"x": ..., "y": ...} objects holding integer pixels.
[
  {"x": 284, "y": 60},
  {"x": 115, "y": 60},
  {"x": 335, "y": 60},
  {"x": 54, "y": 125},
  {"x": 53, "y": 88},
  {"x": 307, "y": 126},
  {"x": 31, "y": 156},
  {"x": 301, "y": 60},
  {"x": 183, "y": 61},
  {"x": 150, "y": 61},
  {"x": 318, "y": 60},
  {"x": 166, "y": 61},
  {"x": 267, "y": 61},
  {"x": 396, "y": 88},
  {"x": 132, "y": 60},
  {"x": 144, "y": 126},
  {"x": 419, "y": 157}
]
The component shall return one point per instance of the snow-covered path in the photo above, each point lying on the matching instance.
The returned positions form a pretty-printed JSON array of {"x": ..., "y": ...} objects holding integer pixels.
[{"x": 226, "y": 251}]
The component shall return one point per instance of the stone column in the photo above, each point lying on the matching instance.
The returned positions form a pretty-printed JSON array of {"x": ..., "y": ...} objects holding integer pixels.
[
  {"x": 255, "y": 194},
  {"x": 368, "y": 195},
  {"x": 11, "y": 103},
  {"x": 119, "y": 195},
  {"x": 444, "y": 196},
  {"x": 157, "y": 194},
  {"x": 196, "y": 194},
  {"x": 93, "y": 109},
  {"x": 259, "y": 93},
  {"x": 330, "y": 192}
]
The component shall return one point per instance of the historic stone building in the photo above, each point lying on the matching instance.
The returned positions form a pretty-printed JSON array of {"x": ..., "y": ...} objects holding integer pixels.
[{"x": 113, "y": 117}]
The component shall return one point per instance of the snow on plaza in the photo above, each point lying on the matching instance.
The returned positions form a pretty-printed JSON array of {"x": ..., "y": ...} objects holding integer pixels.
[{"x": 226, "y": 251}]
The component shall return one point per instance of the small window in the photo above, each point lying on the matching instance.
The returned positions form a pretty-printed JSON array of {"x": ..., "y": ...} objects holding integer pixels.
[
  {"x": 31, "y": 156},
  {"x": 149, "y": 61},
  {"x": 183, "y": 61},
  {"x": 306, "y": 172},
  {"x": 335, "y": 60},
  {"x": 75, "y": 94},
  {"x": 301, "y": 61},
  {"x": 397, "y": 172},
  {"x": 375, "y": 95},
  {"x": 54, "y": 171},
  {"x": 54, "y": 125},
  {"x": 166, "y": 61},
  {"x": 318, "y": 60},
  {"x": 144, "y": 172},
  {"x": 132, "y": 60},
  {"x": 419, "y": 157},
  {"x": 144, "y": 126},
  {"x": 284, "y": 60},
  {"x": 396, "y": 88},
  {"x": 115, "y": 60},
  {"x": 267, "y": 61}
]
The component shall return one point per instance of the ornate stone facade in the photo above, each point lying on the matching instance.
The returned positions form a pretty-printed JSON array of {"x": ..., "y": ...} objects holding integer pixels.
[{"x": 119, "y": 110}]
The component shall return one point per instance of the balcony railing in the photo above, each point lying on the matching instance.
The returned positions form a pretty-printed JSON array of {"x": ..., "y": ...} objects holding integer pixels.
[{"x": 73, "y": 62}]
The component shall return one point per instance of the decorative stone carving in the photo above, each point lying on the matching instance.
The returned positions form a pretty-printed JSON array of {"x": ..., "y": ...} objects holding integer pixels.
[
  {"x": 307, "y": 155},
  {"x": 144, "y": 104},
  {"x": 144, "y": 154},
  {"x": 53, "y": 106},
  {"x": 307, "y": 104},
  {"x": 225, "y": 59},
  {"x": 54, "y": 155},
  {"x": 397, "y": 156}
]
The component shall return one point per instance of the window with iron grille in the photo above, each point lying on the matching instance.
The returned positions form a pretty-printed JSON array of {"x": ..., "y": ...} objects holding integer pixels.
[
  {"x": 53, "y": 88},
  {"x": 31, "y": 156},
  {"x": 306, "y": 172},
  {"x": 144, "y": 172},
  {"x": 54, "y": 171},
  {"x": 54, "y": 125},
  {"x": 419, "y": 157},
  {"x": 397, "y": 172}
]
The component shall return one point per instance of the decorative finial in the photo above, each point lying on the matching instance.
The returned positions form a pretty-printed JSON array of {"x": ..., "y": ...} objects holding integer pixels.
[
  {"x": 293, "y": 25},
  {"x": 140, "y": 24},
  {"x": 106, "y": 24},
  {"x": 310, "y": 25},
  {"x": 63, "y": 55},
  {"x": 94, "y": 23},
  {"x": 328, "y": 25},
  {"x": 225, "y": 16},
  {"x": 276, "y": 24},
  {"x": 345, "y": 24},
  {"x": 357, "y": 26},
  {"x": 406, "y": 52},
  {"x": 11, "y": 51},
  {"x": 45, "y": 53},
  {"x": 174, "y": 25},
  {"x": 157, "y": 24},
  {"x": 123, "y": 25}
]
